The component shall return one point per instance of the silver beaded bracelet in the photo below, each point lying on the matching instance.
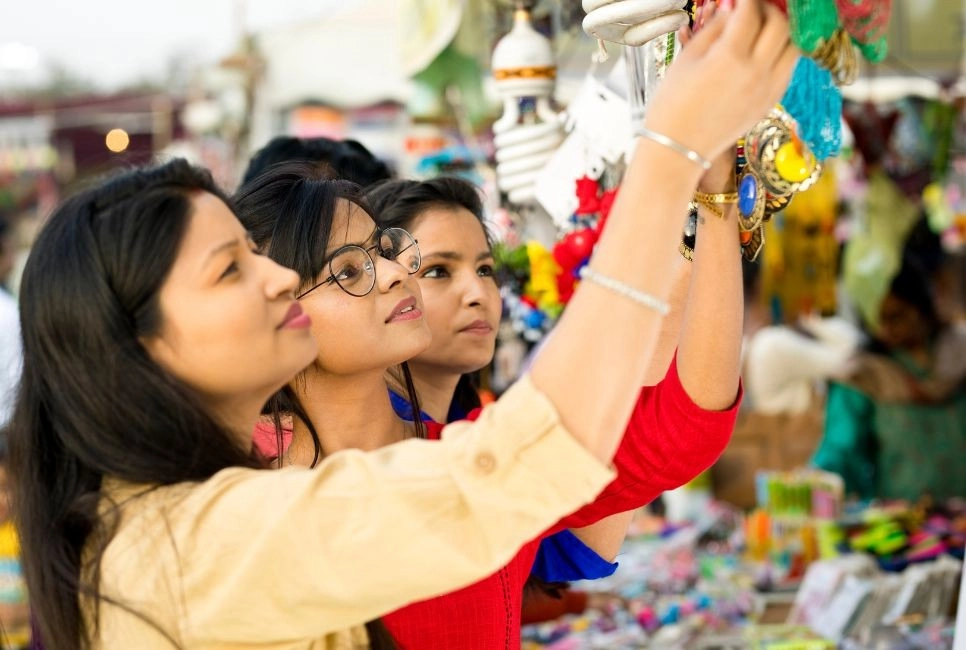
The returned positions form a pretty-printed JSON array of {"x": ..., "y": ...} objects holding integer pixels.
[
  {"x": 690, "y": 154},
  {"x": 618, "y": 287}
]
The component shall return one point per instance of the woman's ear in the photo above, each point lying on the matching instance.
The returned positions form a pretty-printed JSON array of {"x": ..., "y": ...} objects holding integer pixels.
[{"x": 160, "y": 349}]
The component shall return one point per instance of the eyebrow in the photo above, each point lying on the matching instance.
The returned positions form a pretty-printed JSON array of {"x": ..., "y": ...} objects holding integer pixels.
[
  {"x": 219, "y": 249},
  {"x": 456, "y": 257},
  {"x": 369, "y": 240}
]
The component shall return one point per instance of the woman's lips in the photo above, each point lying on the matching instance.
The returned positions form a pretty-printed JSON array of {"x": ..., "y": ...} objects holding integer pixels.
[
  {"x": 478, "y": 327},
  {"x": 405, "y": 310},
  {"x": 295, "y": 318}
]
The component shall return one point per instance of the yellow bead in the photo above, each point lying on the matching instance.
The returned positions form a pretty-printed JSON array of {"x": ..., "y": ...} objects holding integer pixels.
[{"x": 791, "y": 164}]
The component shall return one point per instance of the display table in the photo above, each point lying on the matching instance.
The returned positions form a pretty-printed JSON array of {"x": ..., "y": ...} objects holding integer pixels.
[{"x": 695, "y": 586}]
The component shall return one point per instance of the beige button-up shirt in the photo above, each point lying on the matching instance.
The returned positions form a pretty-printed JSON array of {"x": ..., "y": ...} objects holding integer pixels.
[{"x": 299, "y": 558}]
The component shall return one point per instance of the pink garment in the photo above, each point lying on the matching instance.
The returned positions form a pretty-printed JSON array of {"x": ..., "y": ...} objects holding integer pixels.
[{"x": 265, "y": 440}]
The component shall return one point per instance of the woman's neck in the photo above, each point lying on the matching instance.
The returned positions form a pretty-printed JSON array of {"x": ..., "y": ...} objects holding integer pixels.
[
  {"x": 239, "y": 416},
  {"x": 435, "y": 390},
  {"x": 348, "y": 412}
]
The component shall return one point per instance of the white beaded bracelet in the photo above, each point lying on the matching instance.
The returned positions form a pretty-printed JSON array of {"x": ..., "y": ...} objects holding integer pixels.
[
  {"x": 618, "y": 287},
  {"x": 690, "y": 154}
]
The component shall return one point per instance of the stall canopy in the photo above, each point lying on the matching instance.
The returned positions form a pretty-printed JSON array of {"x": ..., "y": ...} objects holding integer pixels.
[{"x": 362, "y": 53}]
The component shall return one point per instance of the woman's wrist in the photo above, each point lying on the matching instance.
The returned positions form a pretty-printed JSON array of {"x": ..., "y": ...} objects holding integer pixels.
[
  {"x": 718, "y": 185},
  {"x": 720, "y": 179},
  {"x": 675, "y": 171},
  {"x": 714, "y": 227}
]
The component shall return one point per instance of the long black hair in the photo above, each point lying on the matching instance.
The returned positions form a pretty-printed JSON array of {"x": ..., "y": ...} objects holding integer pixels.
[
  {"x": 92, "y": 403},
  {"x": 397, "y": 203}
]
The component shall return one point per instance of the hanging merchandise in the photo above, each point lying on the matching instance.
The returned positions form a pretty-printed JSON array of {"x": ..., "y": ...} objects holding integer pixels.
[
  {"x": 646, "y": 67},
  {"x": 647, "y": 28},
  {"x": 815, "y": 103},
  {"x": 540, "y": 282},
  {"x": 529, "y": 131},
  {"x": 599, "y": 138},
  {"x": 782, "y": 154},
  {"x": 830, "y": 30},
  {"x": 633, "y": 22},
  {"x": 773, "y": 164},
  {"x": 800, "y": 265}
]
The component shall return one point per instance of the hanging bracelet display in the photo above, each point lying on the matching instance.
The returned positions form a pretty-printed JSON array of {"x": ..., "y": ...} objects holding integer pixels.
[
  {"x": 773, "y": 164},
  {"x": 779, "y": 157}
]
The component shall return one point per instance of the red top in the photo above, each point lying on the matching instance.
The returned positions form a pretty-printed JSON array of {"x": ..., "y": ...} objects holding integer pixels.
[{"x": 669, "y": 440}]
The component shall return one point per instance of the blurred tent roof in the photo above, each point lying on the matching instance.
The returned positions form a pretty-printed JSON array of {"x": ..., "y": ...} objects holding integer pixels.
[{"x": 361, "y": 54}]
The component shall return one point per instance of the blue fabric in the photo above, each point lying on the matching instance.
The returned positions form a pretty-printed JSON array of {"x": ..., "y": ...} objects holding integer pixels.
[
  {"x": 562, "y": 557},
  {"x": 404, "y": 409}
]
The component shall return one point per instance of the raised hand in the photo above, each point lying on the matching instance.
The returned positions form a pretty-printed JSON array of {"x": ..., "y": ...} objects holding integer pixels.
[{"x": 734, "y": 69}]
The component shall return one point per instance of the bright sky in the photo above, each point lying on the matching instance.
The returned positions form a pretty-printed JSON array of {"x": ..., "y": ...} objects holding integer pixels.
[{"x": 113, "y": 42}]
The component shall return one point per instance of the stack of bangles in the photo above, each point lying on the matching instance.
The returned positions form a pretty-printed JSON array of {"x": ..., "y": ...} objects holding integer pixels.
[{"x": 772, "y": 165}]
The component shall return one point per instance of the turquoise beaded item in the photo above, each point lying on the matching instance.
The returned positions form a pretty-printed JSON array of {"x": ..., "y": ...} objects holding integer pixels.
[{"x": 815, "y": 102}]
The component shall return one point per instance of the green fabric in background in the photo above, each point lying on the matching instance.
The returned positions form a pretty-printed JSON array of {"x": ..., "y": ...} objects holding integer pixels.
[{"x": 874, "y": 253}]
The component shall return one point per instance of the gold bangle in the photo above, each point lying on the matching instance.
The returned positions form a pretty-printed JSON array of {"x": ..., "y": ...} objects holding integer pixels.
[
  {"x": 713, "y": 201},
  {"x": 723, "y": 197}
]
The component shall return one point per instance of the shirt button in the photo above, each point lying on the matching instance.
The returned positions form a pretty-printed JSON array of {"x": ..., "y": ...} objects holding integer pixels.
[{"x": 485, "y": 462}]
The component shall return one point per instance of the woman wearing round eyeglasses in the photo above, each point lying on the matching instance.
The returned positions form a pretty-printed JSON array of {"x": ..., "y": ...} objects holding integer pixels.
[{"x": 365, "y": 306}]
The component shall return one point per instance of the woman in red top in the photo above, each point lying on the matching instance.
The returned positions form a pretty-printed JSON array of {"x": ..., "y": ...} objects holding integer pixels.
[
  {"x": 462, "y": 306},
  {"x": 678, "y": 427}
]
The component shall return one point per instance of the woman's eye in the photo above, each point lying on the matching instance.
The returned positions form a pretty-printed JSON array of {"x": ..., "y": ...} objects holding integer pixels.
[
  {"x": 230, "y": 270},
  {"x": 485, "y": 271},
  {"x": 346, "y": 273},
  {"x": 435, "y": 272}
]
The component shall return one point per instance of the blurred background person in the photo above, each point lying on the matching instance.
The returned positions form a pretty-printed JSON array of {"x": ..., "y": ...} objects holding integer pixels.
[{"x": 896, "y": 428}]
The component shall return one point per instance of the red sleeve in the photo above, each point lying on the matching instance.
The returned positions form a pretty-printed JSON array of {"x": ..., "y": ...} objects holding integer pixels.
[{"x": 669, "y": 440}]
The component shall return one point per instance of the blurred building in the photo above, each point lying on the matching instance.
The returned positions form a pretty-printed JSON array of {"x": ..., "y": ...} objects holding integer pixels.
[{"x": 78, "y": 136}]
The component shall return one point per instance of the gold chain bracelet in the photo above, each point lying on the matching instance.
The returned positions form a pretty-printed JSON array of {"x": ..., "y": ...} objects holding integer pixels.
[{"x": 713, "y": 201}]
